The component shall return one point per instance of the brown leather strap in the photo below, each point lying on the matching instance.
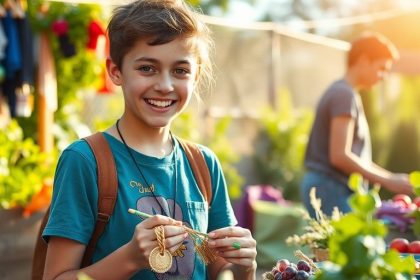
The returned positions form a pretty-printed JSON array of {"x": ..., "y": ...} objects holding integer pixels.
[
  {"x": 40, "y": 251},
  {"x": 199, "y": 167},
  {"x": 202, "y": 176},
  {"x": 107, "y": 188}
]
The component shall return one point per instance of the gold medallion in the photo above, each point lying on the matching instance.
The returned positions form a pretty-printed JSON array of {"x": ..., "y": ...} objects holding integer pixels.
[{"x": 160, "y": 263}]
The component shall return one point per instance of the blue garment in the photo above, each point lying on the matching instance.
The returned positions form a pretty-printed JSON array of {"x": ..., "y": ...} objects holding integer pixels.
[
  {"x": 13, "y": 59},
  {"x": 26, "y": 40},
  {"x": 332, "y": 193},
  {"x": 74, "y": 203},
  {"x": 12, "y": 62}
]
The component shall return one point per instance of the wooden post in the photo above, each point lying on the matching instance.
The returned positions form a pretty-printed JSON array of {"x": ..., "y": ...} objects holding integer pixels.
[{"x": 47, "y": 94}]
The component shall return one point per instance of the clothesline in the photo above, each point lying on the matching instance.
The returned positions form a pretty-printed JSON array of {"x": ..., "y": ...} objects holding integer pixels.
[
  {"x": 359, "y": 19},
  {"x": 344, "y": 21},
  {"x": 98, "y": 2}
]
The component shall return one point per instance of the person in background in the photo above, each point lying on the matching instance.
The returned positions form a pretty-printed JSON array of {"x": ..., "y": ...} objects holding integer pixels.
[
  {"x": 158, "y": 55},
  {"x": 339, "y": 142}
]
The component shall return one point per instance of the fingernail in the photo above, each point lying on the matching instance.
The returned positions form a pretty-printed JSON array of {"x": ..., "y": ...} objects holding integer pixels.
[
  {"x": 212, "y": 243},
  {"x": 212, "y": 234}
]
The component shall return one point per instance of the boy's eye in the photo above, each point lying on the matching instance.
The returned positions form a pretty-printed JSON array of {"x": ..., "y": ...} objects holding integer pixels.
[
  {"x": 145, "y": 68},
  {"x": 181, "y": 71}
]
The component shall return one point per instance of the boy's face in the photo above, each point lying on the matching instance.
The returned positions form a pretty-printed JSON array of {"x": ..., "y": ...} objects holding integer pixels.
[
  {"x": 373, "y": 71},
  {"x": 157, "y": 81}
]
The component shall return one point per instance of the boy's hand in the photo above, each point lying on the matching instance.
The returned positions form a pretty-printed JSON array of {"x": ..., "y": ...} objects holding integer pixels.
[
  {"x": 144, "y": 238},
  {"x": 236, "y": 245}
]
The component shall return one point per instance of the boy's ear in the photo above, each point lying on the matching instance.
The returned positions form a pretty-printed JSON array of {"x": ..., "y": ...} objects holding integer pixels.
[
  {"x": 114, "y": 72},
  {"x": 364, "y": 60}
]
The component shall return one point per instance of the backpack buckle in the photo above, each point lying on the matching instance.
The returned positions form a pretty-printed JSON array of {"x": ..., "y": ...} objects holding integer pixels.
[{"x": 103, "y": 217}]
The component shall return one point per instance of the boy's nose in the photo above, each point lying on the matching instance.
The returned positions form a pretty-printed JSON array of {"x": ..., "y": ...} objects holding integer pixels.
[{"x": 164, "y": 83}]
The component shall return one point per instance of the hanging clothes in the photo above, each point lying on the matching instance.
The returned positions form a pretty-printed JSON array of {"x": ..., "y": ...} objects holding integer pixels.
[
  {"x": 13, "y": 59},
  {"x": 26, "y": 39},
  {"x": 3, "y": 42},
  {"x": 12, "y": 62}
]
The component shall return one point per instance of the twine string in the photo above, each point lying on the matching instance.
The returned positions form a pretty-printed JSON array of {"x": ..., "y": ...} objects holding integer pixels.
[
  {"x": 160, "y": 236},
  {"x": 200, "y": 240}
]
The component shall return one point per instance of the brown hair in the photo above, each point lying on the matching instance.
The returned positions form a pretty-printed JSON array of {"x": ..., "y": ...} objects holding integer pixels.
[
  {"x": 372, "y": 45},
  {"x": 158, "y": 22}
]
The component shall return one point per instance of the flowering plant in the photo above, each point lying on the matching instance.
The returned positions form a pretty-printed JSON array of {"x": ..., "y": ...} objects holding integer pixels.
[{"x": 319, "y": 229}]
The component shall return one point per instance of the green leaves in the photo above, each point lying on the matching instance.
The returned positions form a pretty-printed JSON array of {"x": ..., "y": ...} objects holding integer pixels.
[
  {"x": 362, "y": 201},
  {"x": 355, "y": 182},
  {"x": 23, "y": 167},
  {"x": 357, "y": 248},
  {"x": 414, "y": 178},
  {"x": 280, "y": 147}
]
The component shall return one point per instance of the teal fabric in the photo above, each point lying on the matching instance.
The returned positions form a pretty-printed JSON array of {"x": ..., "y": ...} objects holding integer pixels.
[
  {"x": 273, "y": 223},
  {"x": 74, "y": 204}
]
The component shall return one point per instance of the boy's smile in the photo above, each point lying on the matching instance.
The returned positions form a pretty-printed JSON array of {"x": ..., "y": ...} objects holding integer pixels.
[{"x": 157, "y": 81}]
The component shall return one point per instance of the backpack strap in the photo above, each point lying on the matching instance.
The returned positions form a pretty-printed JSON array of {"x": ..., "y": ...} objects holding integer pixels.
[
  {"x": 202, "y": 176},
  {"x": 40, "y": 251},
  {"x": 107, "y": 188},
  {"x": 199, "y": 167}
]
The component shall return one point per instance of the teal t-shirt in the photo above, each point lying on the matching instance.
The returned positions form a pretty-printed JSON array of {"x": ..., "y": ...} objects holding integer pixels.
[{"x": 74, "y": 204}]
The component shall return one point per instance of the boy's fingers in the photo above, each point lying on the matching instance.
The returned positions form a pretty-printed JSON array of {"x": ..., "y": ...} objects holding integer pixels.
[
  {"x": 229, "y": 232},
  {"x": 158, "y": 220}
]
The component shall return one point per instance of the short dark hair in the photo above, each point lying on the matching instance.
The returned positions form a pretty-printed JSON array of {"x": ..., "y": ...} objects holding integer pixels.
[
  {"x": 372, "y": 45},
  {"x": 159, "y": 22}
]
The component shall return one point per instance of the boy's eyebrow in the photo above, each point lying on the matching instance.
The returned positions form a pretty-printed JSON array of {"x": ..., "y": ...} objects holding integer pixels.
[{"x": 153, "y": 60}]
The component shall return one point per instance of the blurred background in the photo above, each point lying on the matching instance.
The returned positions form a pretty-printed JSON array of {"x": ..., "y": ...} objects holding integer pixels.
[{"x": 272, "y": 59}]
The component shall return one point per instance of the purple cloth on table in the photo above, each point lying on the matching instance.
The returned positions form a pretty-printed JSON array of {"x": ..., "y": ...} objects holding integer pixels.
[
  {"x": 396, "y": 214},
  {"x": 243, "y": 208}
]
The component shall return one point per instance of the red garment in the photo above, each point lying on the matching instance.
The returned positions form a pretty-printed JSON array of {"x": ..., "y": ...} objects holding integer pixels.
[
  {"x": 94, "y": 31},
  {"x": 60, "y": 27}
]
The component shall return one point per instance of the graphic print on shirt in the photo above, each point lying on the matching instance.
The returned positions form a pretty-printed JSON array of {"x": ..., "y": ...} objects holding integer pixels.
[{"x": 182, "y": 266}]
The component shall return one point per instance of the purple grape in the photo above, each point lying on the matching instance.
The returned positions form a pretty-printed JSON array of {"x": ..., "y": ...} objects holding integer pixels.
[
  {"x": 289, "y": 273},
  {"x": 278, "y": 276},
  {"x": 302, "y": 275},
  {"x": 274, "y": 271},
  {"x": 303, "y": 265},
  {"x": 282, "y": 264}
]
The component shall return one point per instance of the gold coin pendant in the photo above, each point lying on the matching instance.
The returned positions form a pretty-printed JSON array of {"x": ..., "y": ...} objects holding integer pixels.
[{"x": 160, "y": 263}]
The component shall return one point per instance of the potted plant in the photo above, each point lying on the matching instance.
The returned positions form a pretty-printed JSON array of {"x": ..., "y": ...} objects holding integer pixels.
[{"x": 318, "y": 230}]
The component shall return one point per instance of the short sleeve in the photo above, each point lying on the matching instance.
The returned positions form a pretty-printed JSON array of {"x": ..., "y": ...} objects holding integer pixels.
[
  {"x": 75, "y": 194},
  {"x": 342, "y": 102}
]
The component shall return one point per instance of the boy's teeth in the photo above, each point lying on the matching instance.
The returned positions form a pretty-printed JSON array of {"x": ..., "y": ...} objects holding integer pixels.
[{"x": 159, "y": 103}]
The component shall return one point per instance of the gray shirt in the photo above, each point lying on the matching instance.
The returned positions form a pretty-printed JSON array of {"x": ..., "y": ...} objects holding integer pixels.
[{"x": 339, "y": 100}]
